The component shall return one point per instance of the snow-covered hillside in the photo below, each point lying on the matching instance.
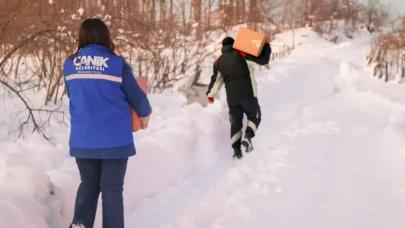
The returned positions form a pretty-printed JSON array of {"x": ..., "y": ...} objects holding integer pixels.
[{"x": 329, "y": 153}]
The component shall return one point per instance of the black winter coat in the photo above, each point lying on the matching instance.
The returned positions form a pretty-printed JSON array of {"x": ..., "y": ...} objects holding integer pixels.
[{"x": 232, "y": 70}]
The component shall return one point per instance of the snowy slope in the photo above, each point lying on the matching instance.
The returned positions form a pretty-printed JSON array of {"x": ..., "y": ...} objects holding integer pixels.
[{"x": 329, "y": 153}]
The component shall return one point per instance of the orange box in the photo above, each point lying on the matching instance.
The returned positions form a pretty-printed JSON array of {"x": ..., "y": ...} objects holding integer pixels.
[
  {"x": 136, "y": 121},
  {"x": 249, "y": 41}
]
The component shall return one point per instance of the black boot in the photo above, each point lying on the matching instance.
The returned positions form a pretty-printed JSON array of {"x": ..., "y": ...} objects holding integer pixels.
[
  {"x": 247, "y": 143},
  {"x": 237, "y": 154}
]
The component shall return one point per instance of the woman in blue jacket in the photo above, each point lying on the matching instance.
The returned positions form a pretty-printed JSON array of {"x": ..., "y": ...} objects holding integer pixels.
[{"x": 101, "y": 88}]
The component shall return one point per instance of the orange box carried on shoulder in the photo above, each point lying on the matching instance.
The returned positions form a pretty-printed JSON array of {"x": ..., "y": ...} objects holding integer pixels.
[
  {"x": 136, "y": 120},
  {"x": 249, "y": 41}
]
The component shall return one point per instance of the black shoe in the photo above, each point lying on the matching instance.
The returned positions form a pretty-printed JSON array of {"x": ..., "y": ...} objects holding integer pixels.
[
  {"x": 237, "y": 154},
  {"x": 247, "y": 143}
]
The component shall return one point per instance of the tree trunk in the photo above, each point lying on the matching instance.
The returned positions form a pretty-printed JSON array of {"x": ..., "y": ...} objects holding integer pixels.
[
  {"x": 144, "y": 7},
  {"x": 292, "y": 14},
  {"x": 238, "y": 13},
  {"x": 231, "y": 13},
  {"x": 208, "y": 14},
  {"x": 171, "y": 12},
  {"x": 293, "y": 32},
  {"x": 183, "y": 14},
  {"x": 153, "y": 13},
  {"x": 162, "y": 14},
  {"x": 305, "y": 16},
  {"x": 243, "y": 13},
  {"x": 252, "y": 12},
  {"x": 196, "y": 4}
]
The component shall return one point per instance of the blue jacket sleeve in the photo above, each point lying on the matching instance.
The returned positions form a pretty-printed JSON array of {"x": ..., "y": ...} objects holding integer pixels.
[{"x": 135, "y": 95}]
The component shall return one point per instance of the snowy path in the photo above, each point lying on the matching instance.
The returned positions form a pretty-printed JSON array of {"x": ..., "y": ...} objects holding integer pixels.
[{"x": 330, "y": 153}]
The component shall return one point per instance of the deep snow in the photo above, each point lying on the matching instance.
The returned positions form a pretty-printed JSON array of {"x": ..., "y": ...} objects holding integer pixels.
[{"x": 329, "y": 153}]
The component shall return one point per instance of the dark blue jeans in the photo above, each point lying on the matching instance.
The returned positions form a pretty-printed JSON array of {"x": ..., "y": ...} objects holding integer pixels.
[{"x": 105, "y": 176}]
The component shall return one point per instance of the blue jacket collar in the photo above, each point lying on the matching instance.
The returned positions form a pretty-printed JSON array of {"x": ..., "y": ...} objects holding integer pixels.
[{"x": 97, "y": 46}]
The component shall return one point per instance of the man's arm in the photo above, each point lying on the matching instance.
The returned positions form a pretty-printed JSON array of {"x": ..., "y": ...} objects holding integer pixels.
[
  {"x": 264, "y": 56},
  {"x": 216, "y": 83}
]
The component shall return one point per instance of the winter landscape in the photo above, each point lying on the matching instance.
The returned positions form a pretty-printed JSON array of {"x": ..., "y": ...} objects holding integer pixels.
[{"x": 329, "y": 153}]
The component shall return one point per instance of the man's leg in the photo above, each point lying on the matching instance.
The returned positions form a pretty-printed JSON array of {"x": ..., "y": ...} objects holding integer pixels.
[
  {"x": 112, "y": 186},
  {"x": 252, "y": 109},
  {"x": 88, "y": 192},
  {"x": 236, "y": 119}
]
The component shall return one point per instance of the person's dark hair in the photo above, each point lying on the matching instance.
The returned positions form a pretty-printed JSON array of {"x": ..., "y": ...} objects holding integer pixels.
[
  {"x": 227, "y": 41},
  {"x": 93, "y": 31}
]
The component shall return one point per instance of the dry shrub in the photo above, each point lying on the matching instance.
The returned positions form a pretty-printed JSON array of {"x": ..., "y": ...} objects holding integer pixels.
[{"x": 387, "y": 56}]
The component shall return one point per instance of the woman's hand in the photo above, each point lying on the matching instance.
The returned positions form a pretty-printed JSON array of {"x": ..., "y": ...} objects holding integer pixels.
[{"x": 145, "y": 121}]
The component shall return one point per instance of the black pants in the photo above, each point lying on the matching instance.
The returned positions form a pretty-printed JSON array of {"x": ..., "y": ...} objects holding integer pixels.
[{"x": 251, "y": 108}]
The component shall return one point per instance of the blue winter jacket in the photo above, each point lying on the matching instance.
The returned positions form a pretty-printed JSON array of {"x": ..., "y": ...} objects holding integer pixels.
[{"x": 101, "y": 87}]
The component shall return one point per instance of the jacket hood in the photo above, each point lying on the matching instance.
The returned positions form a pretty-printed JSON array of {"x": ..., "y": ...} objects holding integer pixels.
[{"x": 226, "y": 48}]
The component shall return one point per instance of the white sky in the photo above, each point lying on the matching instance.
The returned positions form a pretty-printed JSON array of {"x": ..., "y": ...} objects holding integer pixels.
[{"x": 398, "y": 6}]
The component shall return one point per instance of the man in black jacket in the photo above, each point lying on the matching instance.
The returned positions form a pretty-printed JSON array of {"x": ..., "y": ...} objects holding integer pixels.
[{"x": 232, "y": 69}]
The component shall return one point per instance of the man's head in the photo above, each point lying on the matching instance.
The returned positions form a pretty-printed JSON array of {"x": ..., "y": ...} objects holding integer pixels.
[{"x": 227, "y": 41}]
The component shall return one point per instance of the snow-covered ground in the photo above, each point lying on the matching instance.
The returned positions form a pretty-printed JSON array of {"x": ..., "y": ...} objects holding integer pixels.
[{"x": 329, "y": 153}]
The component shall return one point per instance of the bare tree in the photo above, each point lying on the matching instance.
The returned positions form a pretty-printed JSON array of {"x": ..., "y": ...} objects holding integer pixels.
[
  {"x": 376, "y": 14},
  {"x": 253, "y": 16},
  {"x": 269, "y": 8},
  {"x": 197, "y": 10},
  {"x": 240, "y": 11},
  {"x": 291, "y": 14},
  {"x": 152, "y": 35}
]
